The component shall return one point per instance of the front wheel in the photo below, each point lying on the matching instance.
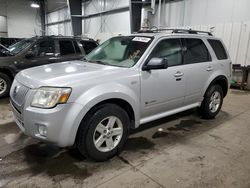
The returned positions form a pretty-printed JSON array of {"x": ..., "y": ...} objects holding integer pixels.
[
  {"x": 212, "y": 102},
  {"x": 103, "y": 132},
  {"x": 5, "y": 83}
]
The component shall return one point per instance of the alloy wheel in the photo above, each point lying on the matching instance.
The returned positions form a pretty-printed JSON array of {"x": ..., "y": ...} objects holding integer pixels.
[{"x": 108, "y": 134}]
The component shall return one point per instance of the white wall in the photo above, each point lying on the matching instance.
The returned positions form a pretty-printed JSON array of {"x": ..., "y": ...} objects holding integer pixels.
[
  {"x": 198, "y": 12},
  {"x": 3, "y": 26},
  {"x": 3, "y": 19},
  {"x": 22, "y": 20},
  {"x": 62, "y": 28},
  {"x": 227, "y": 19},
  {"x": 104, "y": 27}
]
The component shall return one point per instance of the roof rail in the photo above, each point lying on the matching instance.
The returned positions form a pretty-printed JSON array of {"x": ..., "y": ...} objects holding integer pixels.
[{"x": 187, "y": 31}]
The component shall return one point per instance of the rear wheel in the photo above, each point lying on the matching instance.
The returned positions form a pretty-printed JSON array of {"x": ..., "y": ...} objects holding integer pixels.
[
  {"x": 5, "y": 83},
  {"x": 103, "y": 132},
  {"x": 212, "y": 102}
]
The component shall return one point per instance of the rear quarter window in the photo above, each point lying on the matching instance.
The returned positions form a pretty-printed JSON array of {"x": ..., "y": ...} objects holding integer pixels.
[
  {"x": 88, "y": 46},
  {"x": 218, "y": 48}
]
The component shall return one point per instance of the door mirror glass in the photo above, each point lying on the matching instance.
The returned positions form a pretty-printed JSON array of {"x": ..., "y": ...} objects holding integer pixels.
[
  {"x": 30, "y": 54},
  {"x": 156, "y": 63}
]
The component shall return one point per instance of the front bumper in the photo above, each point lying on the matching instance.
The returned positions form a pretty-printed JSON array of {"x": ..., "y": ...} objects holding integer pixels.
[{"x": 61, "y": 122}]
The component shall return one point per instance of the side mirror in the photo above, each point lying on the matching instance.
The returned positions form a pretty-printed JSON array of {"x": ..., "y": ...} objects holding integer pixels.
[
  {"x": 49, "y": 54},
  {"x": 29, "y": 54},
  {"x": 156, "y": 63}
]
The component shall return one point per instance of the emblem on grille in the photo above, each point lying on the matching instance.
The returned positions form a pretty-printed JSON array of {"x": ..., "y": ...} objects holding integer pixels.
[{"x": 15, "y": 92}]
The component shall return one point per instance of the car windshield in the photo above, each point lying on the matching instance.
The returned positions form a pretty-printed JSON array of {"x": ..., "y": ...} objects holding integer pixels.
[
  {"x": 19, "y": 46},
  {"x": 120, "y": 51}
]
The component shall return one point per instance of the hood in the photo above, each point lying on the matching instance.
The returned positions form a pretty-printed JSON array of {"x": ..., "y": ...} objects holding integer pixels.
[{"x": 64, "y": 74}]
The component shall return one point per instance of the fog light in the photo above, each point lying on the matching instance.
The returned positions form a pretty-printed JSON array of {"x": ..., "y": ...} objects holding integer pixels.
[{"x": 42, "y": 130}]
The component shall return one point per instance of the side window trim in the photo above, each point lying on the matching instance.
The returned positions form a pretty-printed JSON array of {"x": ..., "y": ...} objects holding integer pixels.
[{"x": 155, "y": 45}]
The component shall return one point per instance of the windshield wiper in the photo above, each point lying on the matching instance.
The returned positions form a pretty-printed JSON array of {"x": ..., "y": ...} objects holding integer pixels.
[
  {"x": 96, "y": 61},
  {"x": 6, "y": 51}
]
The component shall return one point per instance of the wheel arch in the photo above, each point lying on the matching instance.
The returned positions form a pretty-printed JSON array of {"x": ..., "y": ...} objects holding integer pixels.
[
  {"x": 221, "y": 81},
  {"x": 8, "y": 72}
]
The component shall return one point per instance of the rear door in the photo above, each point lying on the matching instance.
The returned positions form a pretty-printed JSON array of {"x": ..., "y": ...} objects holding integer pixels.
[{"x": 198, "y": 66}]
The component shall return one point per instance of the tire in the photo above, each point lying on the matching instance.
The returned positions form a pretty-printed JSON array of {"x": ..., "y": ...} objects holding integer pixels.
[
  {"x": 90, "y": 131},
  {"x": 5, "y": 84},
  {"x": 212, "y": 102}
]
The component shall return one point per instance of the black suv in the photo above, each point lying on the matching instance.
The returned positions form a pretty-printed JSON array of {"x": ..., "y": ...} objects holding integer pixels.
[{"x": 40, "y": 51}]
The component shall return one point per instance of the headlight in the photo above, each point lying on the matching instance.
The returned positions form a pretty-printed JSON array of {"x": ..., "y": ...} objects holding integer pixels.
[{"x": 49, "y": 97}]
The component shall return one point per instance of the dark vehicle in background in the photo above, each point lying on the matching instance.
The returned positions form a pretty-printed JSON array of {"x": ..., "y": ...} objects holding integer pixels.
[
  {"x": 6, "y": 41},
  {"x": 38, "y": 51}
]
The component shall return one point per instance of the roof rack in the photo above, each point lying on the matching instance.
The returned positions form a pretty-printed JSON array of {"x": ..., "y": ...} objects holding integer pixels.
[{"x": 187, "y": 31}]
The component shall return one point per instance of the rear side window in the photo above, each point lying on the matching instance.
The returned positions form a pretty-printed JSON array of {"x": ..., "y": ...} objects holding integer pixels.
[
  {"x": 218, "y": 48},
  {"x": 66, "y": 47},
  {"x": 197, "y": 51},
  {"x": 77, "y": 49},
  {"x": 88, "y": 46}
]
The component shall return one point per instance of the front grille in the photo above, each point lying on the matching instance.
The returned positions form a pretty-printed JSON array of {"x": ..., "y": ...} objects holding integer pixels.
[{"x": 18, "y": 93}]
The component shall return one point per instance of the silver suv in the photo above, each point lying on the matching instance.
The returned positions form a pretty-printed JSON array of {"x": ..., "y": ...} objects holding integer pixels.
[{"x": 127, "y": 81}]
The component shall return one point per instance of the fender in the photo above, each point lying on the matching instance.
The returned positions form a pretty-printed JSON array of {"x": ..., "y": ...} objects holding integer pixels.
[
  {"x": 213, "y": 78},
  {"x": 98, "y": 94}
]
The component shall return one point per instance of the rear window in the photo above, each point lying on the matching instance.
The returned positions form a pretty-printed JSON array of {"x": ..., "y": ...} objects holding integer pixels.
[
  {"x": 218, "y": 48},
  {"x": 197, "y": 51},
  {"x": 66, "y": 47},
  {"x": 88, "y": 46}
]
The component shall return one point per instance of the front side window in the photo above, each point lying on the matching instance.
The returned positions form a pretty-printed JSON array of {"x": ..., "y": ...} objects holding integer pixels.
[
  {"x": 170, "y": 49},
  {"x": 44, "y": 48},
  {"x": 120, "y": 51},
  {"x": 196, "y": 51},
  {"x": 66, "y": 47}
]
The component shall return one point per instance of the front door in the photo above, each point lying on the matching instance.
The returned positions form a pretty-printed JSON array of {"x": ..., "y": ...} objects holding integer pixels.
[
  {"x": 164, "y": 90},
  {"x": 43, "y": 53}
]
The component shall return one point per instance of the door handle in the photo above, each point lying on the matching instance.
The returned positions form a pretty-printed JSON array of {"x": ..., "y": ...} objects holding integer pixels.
[
  {"x": 209, "y": 68},
  {"x": 179, "y": 74}
]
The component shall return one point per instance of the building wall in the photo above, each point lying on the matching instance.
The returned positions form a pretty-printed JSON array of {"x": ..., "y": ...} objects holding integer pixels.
[
  {"x": 60, "y": 28},
  {"x": 104, "y": 27},
  {"x": 201, "y": 12},
  {"x": 227, "y": 19},
  {"x": 3, "y": 19},
  {"x": 19, "y": 19},
  {"x": 99, "y": 27}
]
